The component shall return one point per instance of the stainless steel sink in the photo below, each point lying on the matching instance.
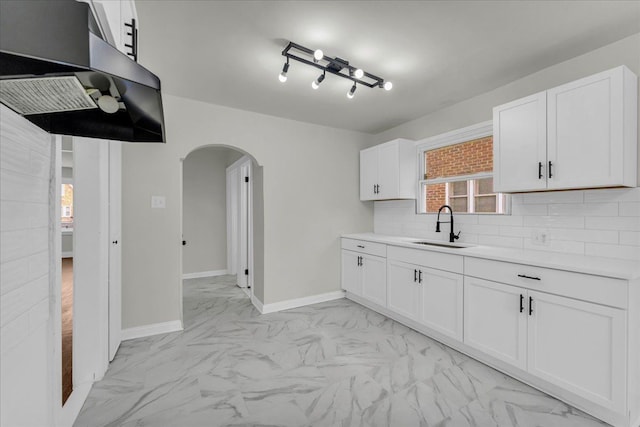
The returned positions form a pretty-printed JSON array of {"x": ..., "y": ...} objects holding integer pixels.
[{"x": 442, "y": 245}]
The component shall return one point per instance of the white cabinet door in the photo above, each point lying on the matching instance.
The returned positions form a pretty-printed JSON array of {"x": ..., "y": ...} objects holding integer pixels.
[
  {"x": 403, "y": 289},
  {"x": 388, "y": 171},
  {"x": 351, "y": 276},
  {"x": 495, "y": 320},
  {"x": 374, "y": 279},
  {"x": 368, "y": 173},
  {"x": 585, "y": 140},
  {"x": 580, "y": 347},
  {"x": 442, "y": 301},
  {"x": 520, "y": 144}
]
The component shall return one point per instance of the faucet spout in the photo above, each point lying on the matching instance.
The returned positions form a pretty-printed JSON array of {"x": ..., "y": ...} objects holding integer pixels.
[{"x": 452, "y": 235}]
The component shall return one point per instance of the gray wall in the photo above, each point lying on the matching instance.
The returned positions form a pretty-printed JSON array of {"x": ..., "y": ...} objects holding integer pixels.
[
  {"x": 311, "y": 196},
  {"x": 480, "y": 108},
  {"x": 204, "y": 214}
]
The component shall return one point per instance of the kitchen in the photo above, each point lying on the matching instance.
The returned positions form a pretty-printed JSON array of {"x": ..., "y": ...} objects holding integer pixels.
[{"x": 295, "y": 152}]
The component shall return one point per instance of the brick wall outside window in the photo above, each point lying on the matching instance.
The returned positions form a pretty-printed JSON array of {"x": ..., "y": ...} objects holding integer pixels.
[{"x": 466, "y": 158}]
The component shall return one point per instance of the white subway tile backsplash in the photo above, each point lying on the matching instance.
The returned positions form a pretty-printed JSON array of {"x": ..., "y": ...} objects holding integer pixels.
[
  {"x": 554, "y": 221},
  {"x": 554, "y": 197},
  {"x": 613, "y": 223},
  {"x": 603, "y": 222},
  {"x": 502, "y": 241},
  {"x": 13, "y": 274},
  {"x": 13, "y": 333},
  {"x": 521, "y": 210},
  {"x": 38, "y": 315},
  {"x": 612, "y": 195},
  {"x": 613, "y": 251},
  {"x": 630, "y": 209},
  {"x": 508, "y": 220},
  {"x": 629, "y": 238},
  {"x": 584, "y": 209}
]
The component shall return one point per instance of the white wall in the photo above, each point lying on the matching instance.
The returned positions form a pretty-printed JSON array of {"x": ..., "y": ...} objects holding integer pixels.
[
  {"x": 204, "y": 214},
  {"x": 311, "y": 196},
  {"x": 603, "y": 222},
  {"x": 25, "y": 361}
]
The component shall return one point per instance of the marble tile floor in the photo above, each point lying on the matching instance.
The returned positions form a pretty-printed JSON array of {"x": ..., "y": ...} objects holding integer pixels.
[{"x": 330, "y": 364}]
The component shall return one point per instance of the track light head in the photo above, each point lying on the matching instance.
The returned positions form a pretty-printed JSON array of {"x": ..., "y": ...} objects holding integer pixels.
[
  {"x": 388, "y": 86},
  {"x": 318, "y": 54},
  {"x": 359, "y": 73},
  {"x": 316, "y": 83},
  {"x": 283, "y": 75},
  {"x": 351, "y": 92}
]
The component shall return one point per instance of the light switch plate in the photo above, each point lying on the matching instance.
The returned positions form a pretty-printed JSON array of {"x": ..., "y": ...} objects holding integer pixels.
[{"x": 158, "y": 202}]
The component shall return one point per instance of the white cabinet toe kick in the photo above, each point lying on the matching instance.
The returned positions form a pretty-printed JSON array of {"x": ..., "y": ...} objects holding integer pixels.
[{"x": 573, "y": 335}]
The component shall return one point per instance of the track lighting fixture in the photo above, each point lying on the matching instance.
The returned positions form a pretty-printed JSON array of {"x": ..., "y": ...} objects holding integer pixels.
[
  {"x": 336, "y": 66},
  {"x": 351, "y": 92},
  {"x": 283, "y": 75},
  {"x": 316, "y": 83}
]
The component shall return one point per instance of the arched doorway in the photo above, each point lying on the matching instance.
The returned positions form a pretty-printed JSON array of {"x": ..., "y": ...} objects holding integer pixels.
[{"x": 221, "y": 219}]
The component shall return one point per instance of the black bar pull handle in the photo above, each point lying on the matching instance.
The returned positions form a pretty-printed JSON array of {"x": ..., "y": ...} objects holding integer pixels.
[
  {"x": 550, "y": 174},
  {"x": 524, "y": 276},
  {"x": 539, "y": 170},
  {"x": 415, "y": 275},
  {"x": 521, "y": 303},
  {"x": 419, "y": 276},
  {"x": 530, "y": 306},
  {"x": 360, "y": 246}
]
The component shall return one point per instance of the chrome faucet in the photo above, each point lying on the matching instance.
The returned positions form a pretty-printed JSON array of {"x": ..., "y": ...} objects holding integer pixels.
[{"x": 452, "y": 235}]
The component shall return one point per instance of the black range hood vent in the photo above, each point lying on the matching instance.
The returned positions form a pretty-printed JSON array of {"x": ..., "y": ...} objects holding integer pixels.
[{"x": 58, "y": 72}]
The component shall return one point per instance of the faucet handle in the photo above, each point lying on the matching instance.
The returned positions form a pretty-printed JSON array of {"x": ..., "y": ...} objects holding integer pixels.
[{"x": 457, "y": 236}]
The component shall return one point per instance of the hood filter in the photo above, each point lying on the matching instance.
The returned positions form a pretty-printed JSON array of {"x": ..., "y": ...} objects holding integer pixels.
[{"x": 45, "y": 95}]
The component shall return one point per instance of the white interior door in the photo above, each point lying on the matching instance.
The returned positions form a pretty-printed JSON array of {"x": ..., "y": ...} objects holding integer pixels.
[
  {"x": 233, "y": 181},
  {"x": 115, "y": 247},
  {"x": 239, "y": 219},
  {"x": 243, "y": 224},
  {"x": 91, "y": 260}
]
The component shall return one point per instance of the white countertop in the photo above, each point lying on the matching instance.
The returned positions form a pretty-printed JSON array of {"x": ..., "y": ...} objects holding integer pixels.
[{"x": 609, "y": 267}]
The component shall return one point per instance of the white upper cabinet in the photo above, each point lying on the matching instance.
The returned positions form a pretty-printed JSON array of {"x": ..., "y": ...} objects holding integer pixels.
[
  {"x": 388, "y": 171},
  {"x": 520, "y": 144},
  {"x": 115, "y": 18},
  {"x": 579, "y": 135}
]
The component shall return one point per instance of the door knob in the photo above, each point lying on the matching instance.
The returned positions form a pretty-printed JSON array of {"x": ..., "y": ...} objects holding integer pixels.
[{"x": 115, "y": 242}]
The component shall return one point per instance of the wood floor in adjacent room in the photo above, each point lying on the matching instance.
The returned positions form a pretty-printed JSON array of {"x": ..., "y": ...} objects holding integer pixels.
[
  {"x": 67, "y": 328},
  {"x": 330, "y": 364}
]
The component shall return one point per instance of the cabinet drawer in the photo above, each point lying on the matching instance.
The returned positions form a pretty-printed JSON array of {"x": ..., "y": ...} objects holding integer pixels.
[
  {"x": 432, "y": 259},
  {"x": 586, "y": 287},
  {"x": 379, "y": 249}
]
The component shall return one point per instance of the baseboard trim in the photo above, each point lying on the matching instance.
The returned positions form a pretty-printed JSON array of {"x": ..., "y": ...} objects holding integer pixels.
[
  {"x": 66, "y": 254},
  {"x": 153, "y": 329},
  {"x": 257, "y": 304},
  {"x": 200, "y": 274},
  {"x": 71, "y": 409},
  {"x": 301, "y": 302}
]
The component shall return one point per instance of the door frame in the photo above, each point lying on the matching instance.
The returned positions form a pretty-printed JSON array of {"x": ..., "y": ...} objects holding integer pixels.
[{"x": 90, "y": 362}]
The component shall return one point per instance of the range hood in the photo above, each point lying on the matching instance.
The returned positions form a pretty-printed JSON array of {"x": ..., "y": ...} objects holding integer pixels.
[{"x": 58, "y": 72}]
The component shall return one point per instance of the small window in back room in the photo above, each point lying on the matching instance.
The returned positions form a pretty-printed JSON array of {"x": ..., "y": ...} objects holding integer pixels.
[
  {"x": 460, "y": 175},
  {"x": 67, "y": 206}
]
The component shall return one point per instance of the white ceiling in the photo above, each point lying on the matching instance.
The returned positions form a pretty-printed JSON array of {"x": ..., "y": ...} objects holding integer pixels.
[{"x": 436, "y": 53}]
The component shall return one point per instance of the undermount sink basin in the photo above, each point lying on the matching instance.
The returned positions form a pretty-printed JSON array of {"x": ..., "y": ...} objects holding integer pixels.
[{"x": 442, "y": 245}]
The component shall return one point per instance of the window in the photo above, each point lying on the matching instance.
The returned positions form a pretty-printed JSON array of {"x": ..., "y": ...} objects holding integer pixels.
[
  {"x": 67, "y": 206},
  {"x": 459, "y": 173}
]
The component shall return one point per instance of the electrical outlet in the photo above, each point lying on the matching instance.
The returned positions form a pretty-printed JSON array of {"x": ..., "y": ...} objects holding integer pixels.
[
  {"x": 158, "y": 202},
  {"x": 540, "y": 237}
]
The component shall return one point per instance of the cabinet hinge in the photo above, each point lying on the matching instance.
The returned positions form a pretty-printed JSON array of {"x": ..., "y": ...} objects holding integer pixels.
[
  {"x": 246, "y": 272},
  {"x": 246, "y": 179}
]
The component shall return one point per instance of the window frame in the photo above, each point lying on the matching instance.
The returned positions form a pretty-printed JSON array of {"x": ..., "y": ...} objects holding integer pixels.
[{"x": 458, "y": 136}]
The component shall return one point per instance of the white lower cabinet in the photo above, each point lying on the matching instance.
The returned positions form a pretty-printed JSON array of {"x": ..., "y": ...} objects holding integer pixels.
[
  {"x": 442, "y": 301},
  {"x": 403, "y": 289},
  {"x": 374, "y": 279},
  {"x": 365, "y": 275},
  {"x": 580, "y": 347},
  {"x": 495, "y": 320},
  {"x": 576, "y": 345}
]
